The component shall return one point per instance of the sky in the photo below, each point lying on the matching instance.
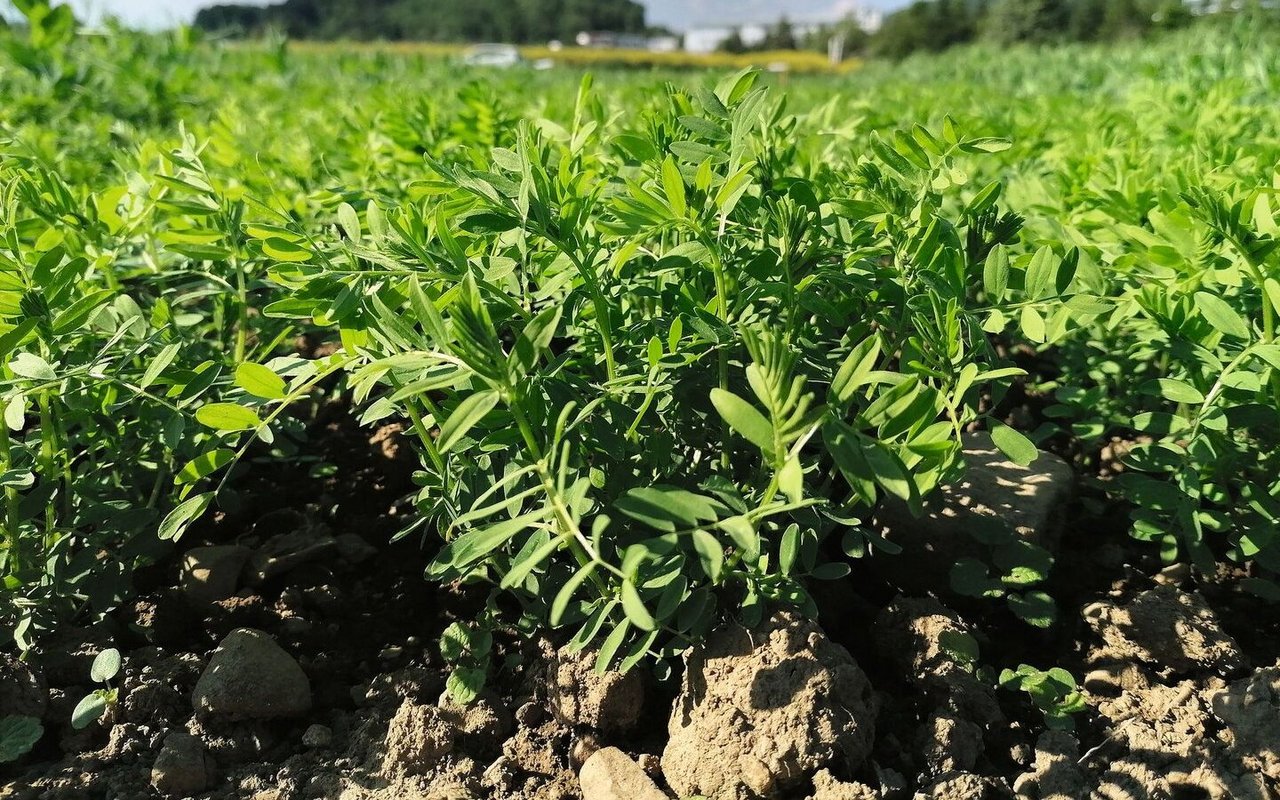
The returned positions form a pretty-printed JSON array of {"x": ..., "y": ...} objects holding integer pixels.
[{"x": 677, "y": 14}]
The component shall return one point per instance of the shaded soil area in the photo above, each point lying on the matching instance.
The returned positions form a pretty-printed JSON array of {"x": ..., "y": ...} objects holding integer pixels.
[{"x": 313, "y": 671}]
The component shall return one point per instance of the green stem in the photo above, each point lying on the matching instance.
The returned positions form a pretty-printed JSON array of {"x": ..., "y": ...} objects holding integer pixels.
[
  {"x": 242, "y": 311},
  {"x": 12, "y": 560}
]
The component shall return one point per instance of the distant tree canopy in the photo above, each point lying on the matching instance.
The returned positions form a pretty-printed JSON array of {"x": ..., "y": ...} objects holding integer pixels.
[
  {"x": 933, "y": 25},
  {"x": 516, "y": 21}
]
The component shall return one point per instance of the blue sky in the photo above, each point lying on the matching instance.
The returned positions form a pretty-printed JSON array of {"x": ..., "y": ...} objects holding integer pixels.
[{"x": 674, "y": 13}]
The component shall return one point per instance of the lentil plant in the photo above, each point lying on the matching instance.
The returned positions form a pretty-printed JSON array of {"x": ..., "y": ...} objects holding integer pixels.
[{"x": 662, "y": 346}]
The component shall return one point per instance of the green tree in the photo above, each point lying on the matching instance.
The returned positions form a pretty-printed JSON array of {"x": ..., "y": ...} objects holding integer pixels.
[{"x": 1010, "y": 21}]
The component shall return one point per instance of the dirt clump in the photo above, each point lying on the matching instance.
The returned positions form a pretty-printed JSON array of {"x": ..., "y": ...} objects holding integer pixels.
[
  {"x": 1055, "y": 773},
  {"x": 23, "y": 689},
  {"x": 579, "y": 696},
  {"x": 179, "y": 769},
  {"x": 966, "y": 786},
  {"x": 921, "y": 639},
  {"x": 1166, "y": 628},
  {"x": 827, "y": 787},
  {"x": 762, "y": 710},
  {"x": 609, "y": 774},
  {"x": 949, "y": 744},
  {"x": 418, "y": 737}
]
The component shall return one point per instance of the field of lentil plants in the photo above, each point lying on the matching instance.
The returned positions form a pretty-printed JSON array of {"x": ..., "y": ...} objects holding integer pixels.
[{"x": 379, "y": 428}]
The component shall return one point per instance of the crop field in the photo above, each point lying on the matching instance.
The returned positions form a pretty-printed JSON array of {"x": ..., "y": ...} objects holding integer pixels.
[{"x": 378, "y": 427}]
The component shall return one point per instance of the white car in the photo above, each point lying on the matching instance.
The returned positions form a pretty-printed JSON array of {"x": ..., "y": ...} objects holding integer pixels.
[{"x": 501, "y": 56}]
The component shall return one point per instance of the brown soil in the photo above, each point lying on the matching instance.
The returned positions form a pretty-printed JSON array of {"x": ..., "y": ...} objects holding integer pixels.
[{"x": 1183, "y": 679}]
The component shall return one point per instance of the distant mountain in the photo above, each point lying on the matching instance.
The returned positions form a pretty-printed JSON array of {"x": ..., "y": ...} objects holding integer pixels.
[{"x": 685, "y": 14}]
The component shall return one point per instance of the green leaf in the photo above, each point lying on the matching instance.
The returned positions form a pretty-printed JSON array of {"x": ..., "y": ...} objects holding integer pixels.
[
  {"x": 350, "y": 221},
  {"x": 260, "y": 381},
  {"x": 176, "y": 521},
  {"x": 744, "y": 419},
  {"x": 106, "y": 665},
  {"x": 791, "y": 480},
  {"x": 995, "y": 273},
  {"x": 521, "y": 569},
  {"x": 673, "y": 186},
  {"x": 227, "y": 417},
  {"x": 469, "y": 548},
  {"x": 18, "y": 734},
  {"x": 1272, "y": 288},
  {"x": 561, "y": 603},
  {"x": 464, "y": 684},
  {"x": 1016, "y": 447},
  {"x": 159, "y": 364},
  {"x": 667, "y": 509},
  {"x": 464, "y": 418},
  {"x": 205, "y": 464},
  {"x": 30, "y": 365},
  {"x": 710, "y": 554},
  {"x": 1178, "y": 391},
  {"x": 1221, "y": 315},
  {"x": 609, "y": 648},
  {"x": 1032, "y": 324},
  {"x": 789, "y": 549},
  {"x": 1034, "y": 608},
  {"x": 634, "y": 607},
  {"x": 1041, "y": 272},
  {"x": 856, "y": 370},
  {"x": 89, "y": 710}
]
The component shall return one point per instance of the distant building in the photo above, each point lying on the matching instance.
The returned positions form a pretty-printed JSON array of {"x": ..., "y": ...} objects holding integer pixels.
[
  {"x": 627, "y": 41},
  {"x": 709, "y": 40}
]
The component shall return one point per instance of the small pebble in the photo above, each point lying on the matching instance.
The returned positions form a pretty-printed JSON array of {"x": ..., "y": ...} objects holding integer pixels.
[{"x": 317, "y": 736}]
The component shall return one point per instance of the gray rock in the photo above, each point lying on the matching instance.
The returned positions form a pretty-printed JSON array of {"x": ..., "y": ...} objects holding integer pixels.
[
  {"x": 179, "y": 769},
  {"x": 317, "y": 736},
  {"x": 210, "y": 574},
  {"x": 287, "y": 551},
  {"x": 610, "y": 775},
  {"x": 994, "y": 498},
  {"x": 353, "y": 549},
  {"x": 251, "y": 677}
]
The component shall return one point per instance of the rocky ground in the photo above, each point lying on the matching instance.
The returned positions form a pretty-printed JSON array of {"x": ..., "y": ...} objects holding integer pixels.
[{"x": 289, "y": 652}]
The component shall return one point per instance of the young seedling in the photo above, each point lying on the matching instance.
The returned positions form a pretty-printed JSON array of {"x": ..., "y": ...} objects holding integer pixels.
[
  {"x": 94, "y": 705},
  {"x": 1053, "y": 691}
]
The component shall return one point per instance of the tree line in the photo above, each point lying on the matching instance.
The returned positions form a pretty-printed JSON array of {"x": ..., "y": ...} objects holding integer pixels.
[
  {"x": 517, "y": 21},
  {"x": 935, "y": 25}
]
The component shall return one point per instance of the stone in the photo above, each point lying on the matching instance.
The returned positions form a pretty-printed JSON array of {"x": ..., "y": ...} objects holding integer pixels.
[
  {"x": 582, "y": 697},
  {"x": 760, "y": 711},
  {"x": 353, "y": 549},
  {"x": 610, "y": 775},
  {"x": 995, "y": 497},
  {"x": 210, "y": 574},
  {"x": 284, "y": 552},
  {"x": 317, "y": 736},
  {"x": 252, "y": 677},
  {"x": 179, "y": 769}
]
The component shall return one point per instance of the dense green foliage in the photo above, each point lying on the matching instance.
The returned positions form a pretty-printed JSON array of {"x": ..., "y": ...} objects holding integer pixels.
[
  {"x": 935, "y": 25},
  {"x": 661, "y": 346},
  {"x": 536, "y": 21}
]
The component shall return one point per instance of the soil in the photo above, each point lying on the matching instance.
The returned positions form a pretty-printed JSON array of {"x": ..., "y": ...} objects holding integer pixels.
[{"x": 869, "y": 702}]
